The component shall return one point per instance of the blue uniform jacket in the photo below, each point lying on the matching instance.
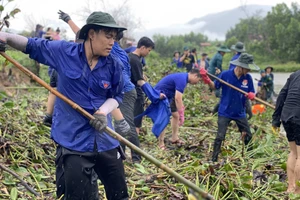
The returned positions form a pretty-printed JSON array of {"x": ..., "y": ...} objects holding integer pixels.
[
  {"x": 232, "y": 104},
  {"x": 87, "y": 88}
]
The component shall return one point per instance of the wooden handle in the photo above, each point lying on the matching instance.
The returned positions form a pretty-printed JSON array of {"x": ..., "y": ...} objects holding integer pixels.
[{"x": 242, "y": 91}]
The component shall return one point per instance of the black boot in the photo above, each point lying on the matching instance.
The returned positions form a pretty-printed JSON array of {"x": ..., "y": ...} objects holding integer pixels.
[
  {"x": 246, "y": 142},
  {"x": 248, "y": 109},
  {"x": 217, "y": 149}
]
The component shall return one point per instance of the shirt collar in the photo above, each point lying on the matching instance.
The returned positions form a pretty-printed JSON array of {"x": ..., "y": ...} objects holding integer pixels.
[{"x": 102, "y": 61}]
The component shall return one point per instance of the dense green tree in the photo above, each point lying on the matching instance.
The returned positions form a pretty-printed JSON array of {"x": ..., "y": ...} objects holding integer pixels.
[
  {"x": 275, "y": 37},
  {"x": 166, "y": 45}
]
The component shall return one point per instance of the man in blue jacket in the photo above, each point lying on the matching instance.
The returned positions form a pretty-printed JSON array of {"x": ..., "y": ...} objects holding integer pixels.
[
  {"x": 92, "y": 78},
  {"x": 238, "y": 48},
  {"x": 232, "y": 105},
  {"x": 126, "y": 108}
]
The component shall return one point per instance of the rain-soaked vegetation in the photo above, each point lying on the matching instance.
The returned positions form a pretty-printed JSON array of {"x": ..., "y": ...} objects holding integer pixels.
[{"x": 27, "y": 153}]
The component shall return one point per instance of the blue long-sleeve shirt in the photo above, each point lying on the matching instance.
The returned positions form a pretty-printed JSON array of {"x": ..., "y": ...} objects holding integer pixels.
[
  {"x": 122, "y": 55},
  {"x": 87, "y": 88},
  {"x": 236, "y": 56},
  {"x": 232, "y": 104}
]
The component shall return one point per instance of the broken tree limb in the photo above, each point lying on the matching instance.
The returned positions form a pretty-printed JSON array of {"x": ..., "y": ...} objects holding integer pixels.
[{"x": 18, "y": 177}]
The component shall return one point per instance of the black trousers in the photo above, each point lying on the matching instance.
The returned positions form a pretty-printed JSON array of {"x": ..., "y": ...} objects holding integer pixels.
[
  {"x": 77, "y": 173},
  {"x": 139, "y": 107},
  {"x": 223, "y": 123},
  {"x": 127, "y": 109},
  {"x": 242, "y": 124}
]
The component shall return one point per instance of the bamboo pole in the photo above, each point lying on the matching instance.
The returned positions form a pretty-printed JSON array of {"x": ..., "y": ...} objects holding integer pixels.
[
  {"x": 238, "y": 89},
  {"x": 111, "y": 132}
]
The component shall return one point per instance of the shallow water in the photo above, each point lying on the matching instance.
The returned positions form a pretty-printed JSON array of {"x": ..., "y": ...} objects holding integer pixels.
[{"x": 279, "y": 80}]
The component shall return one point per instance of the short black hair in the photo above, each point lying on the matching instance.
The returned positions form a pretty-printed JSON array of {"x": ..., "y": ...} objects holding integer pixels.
[
  {"x": 195, "y": 71},
  {"x": 176, "y": 52},
  {"x": 146, "y": 42},
  {"x": 119, "y": 36},
  {"x": 194, "y": 50}
]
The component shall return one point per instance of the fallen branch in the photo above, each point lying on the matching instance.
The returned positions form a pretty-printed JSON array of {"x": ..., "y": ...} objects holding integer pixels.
[{"x": 21, "y": 181}]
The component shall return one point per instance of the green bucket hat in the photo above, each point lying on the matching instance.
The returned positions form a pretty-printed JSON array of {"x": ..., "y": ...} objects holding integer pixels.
[
  {"x": 99, "y": 19},
  {"x": 238, "y": 47},
  {"x": 245, "y": 61},
  {"x": 223, "y": 48}
]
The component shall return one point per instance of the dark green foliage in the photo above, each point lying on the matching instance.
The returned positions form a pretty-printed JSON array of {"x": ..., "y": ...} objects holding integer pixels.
[
  {"x": 273, "y": 38},
  {"x": 166, "y": 45}
]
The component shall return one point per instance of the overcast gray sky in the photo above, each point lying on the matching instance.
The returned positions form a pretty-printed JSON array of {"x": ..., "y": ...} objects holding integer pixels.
[{"x": 153, "y": 13}]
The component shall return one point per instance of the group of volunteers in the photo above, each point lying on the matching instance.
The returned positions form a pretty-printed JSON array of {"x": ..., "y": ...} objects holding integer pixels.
[
  {"x": 189, "y": 59},
  {"x": 108, "y": 82}
]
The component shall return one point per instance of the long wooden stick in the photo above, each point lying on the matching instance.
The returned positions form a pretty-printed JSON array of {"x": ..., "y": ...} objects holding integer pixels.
[
  {"x": 238, "y": 89},
  {"x": 114, "y": 134},
  {"x": 17, "y": 176}
]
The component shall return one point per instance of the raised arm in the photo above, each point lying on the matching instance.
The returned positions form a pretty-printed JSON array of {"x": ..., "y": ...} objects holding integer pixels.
[{"x": 66, "y": 18}]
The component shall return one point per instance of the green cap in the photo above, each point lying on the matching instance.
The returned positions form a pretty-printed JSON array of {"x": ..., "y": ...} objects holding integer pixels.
[
  {"x": 99, "y": 19},
  {"x": 223, "y": 48},
  {"x": 245, "y": 61}
]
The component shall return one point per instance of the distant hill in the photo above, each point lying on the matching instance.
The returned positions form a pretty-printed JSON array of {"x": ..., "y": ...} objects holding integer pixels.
[
  {"x": 220, "y": 23},
  {"x": 213, "y": 25}
]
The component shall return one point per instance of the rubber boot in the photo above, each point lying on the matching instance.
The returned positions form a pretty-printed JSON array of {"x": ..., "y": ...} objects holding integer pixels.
[
  {"x": 246, "y": 141},
  {"x": 248, "y": 109},
  {"x": 217, "y": 149}
]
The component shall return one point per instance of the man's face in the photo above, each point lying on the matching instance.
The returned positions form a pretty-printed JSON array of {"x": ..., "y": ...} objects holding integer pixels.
[
  {"x": 103, "y": 41},
  {"x": 242, "y": 71},
  {"x": 194, "y": 79},
  {"x": 245, "y": 71},
  {"x": 204, "y": 57},
  {"x": 145, "y": 51},
  {"x": 263, "y": 74}
]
